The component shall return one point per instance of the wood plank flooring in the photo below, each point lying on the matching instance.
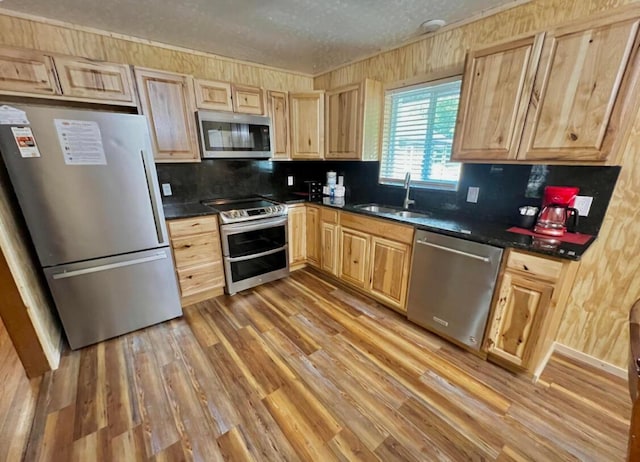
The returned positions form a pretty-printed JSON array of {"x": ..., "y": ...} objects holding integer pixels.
[
  {"x": 302, "y": 369},
  {"x": 18, "y": 397}
]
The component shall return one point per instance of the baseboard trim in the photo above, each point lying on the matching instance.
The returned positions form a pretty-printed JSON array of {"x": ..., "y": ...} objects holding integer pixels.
[{"x": 590, "y": 360}]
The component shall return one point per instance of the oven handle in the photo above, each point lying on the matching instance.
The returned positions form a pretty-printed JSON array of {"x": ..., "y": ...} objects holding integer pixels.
[
  {"x": 242, "y": 227},
  {"x": 255, "y": 255}
]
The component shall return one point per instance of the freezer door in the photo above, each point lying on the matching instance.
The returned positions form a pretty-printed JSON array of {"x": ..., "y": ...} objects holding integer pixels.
[
  {"x": 76, "y": 210},
  {"x": 108, "y": 297}
]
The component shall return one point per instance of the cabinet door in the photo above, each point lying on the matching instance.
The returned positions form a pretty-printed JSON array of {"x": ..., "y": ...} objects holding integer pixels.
[
  {"x": 520, "y": 310},
  {"x": 354, "y": 257},
  {"x": 313, "y": 235},
  {"x": 496, "y": 89},
  {"x": 389, "y": 277},
  {"x": 167, "y": 101},
  {"x": 297, "y": 235},
  {"x": 248, "y": 100},
  {"x": 329, "y": 240},
  {"x": 214, "y": 95},
  {"x": 343, "y": 123},
  {"x": 278, "y": 107},
  {"x": 582, "y": 95},
  {"x": 83, "y": 78},
  {"x": 307, "y": 125},
  {"x": 27, "y": 71}
]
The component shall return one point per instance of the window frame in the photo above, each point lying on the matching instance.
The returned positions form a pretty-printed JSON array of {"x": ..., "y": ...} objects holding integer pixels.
[{"x": 413, "y": 84}]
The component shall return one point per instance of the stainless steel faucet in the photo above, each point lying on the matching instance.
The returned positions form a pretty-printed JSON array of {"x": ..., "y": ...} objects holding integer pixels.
[{"x": 407, "y": 186}]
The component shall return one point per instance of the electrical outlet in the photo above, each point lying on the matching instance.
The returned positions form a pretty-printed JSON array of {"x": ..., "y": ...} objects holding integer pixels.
[
  {"x": 583, "y": 204},
  {"x": 472, "y": 194},
  {"x": 166, "y": 189},
  {"x": 290, "y": 180}
]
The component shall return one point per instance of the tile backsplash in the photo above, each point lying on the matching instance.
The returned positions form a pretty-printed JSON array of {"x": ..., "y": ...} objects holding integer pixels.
[{"x": 503, "y": 187}]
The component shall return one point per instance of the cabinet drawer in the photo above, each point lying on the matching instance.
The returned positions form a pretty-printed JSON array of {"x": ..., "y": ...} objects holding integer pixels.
[
  {"x": 194, "y": 279},
  {"x": 539, "y": 266},
  {"x": 328, "y": 215},
  {"x": 196, "y": 249},
  {"x": 188, "y": 226},
  {"x": 379, "y": 227}
]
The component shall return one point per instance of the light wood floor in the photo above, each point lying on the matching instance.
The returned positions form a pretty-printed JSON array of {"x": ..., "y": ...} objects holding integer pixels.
[{"x": 301, "y": 369}]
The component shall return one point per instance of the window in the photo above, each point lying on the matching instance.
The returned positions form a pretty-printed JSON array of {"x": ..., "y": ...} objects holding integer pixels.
[{"x": 418, "y": 135}]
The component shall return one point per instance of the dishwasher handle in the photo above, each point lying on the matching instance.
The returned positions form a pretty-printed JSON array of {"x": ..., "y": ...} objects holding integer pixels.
[{"x": 451, "y": 250}]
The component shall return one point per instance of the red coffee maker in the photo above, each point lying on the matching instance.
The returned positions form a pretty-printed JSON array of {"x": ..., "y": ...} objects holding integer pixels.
[{"x": 558, "y": 215}]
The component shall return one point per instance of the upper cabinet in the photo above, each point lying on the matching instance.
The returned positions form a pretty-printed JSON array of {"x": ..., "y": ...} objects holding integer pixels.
[
  {"x": 211, "y": 94},
  {"x": 84, "y": 78},
  {"x": 32, "y": 73},
  {"x": 167, "y": 101},
  {"x": 582, "y": 88},
  {"x": 247, "y": 100},
  {"x": 569, "y": 95},
  {"x": 278, "y": 110},
  {"x": 496, "y": 89},
  {"x": 27, "y": 71},
  {"x": 307, "y": 125},
  {"x": 353, "y": 118}
]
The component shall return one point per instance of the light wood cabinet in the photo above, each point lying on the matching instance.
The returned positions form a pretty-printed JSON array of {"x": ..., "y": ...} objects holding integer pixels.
[
  {"x": 569, "y": 94},
  {"x": 27, "y": 71},
  {"x": 197, "y": 254},
  {"x": 247, "y": 100},
  {"x": 329, "y": 245},
  {"x": 278, "y": 110},
  {"x": 389, "y": 272},
  {"x": 495, "y": 94},
  {"x": 213, "y": 95},
  {"x": 354, "y": 256},
  {"x": 527, "y": 309},
  {"x": 168, "y": 102},
  {"x": 307, "y": 125},
  {"x": 297, "y": 229},
  {"x": 585, "y": 91},
  {"x": 83, "y": 78},
  {"x": 353, "y": 121},
  {"x": 313, "y": 235}
]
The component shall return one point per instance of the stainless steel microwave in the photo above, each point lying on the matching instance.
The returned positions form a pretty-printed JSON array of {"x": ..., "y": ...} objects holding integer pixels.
[{"x": 225, "y": 135}]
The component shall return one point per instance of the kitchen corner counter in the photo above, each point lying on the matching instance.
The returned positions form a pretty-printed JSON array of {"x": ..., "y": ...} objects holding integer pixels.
[
  {"x": 485, "y": 232},
  {"x": 187, "y": 210}
]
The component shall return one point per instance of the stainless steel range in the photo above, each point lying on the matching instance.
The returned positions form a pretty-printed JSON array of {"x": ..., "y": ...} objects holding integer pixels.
[{"x": 253, "y": 231}]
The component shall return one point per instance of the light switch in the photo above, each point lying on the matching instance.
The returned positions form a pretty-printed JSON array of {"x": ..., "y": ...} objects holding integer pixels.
[
  {"x": 290, "y": 180},
  {"x": 583, "y": 204},
  {"x": 166, "y": 189},
  {"x": 472, "y": 194}
]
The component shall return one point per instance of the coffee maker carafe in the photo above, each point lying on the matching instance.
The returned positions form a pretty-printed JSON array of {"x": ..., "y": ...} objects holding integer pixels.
[{"x": 558, "y": 215}]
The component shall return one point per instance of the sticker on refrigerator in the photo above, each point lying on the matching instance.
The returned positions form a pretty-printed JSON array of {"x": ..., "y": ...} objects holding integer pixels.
[
  {"x": 81, "y": 142},
  {"x": 25, "y": 141},
  {"x": 12, "y": 116}
]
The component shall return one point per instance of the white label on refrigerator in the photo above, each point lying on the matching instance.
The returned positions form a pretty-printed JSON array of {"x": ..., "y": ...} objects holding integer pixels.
[
  {"x": 12, "y": 116},
  {"x": 81, "y": 142},
  {"x": 25, "y": 141}
]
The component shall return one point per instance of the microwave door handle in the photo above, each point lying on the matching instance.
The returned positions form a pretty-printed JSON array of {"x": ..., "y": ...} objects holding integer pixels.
[{"x": 256, "y": 255}]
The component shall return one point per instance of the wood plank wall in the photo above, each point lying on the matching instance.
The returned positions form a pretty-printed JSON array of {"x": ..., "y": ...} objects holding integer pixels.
[
  {"x": 608, "y": 281},
  {"x": 54, "y": 37}
]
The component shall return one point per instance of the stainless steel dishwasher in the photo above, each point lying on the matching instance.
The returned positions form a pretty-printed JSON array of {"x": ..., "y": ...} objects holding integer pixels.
[{"x": 452, "y": 283}]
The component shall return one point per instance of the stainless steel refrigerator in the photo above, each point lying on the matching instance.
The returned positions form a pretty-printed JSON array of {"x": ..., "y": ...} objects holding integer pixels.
[{"x": 87, "y": 187}]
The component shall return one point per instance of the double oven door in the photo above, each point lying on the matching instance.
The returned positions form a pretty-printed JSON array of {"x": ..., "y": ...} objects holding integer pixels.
[{"x": 254, "y": 252}]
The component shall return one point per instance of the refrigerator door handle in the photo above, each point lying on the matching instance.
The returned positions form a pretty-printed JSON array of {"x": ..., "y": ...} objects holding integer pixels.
[
  {"x": 155, "y": 203},
  {"x": 95, "y": 269}
]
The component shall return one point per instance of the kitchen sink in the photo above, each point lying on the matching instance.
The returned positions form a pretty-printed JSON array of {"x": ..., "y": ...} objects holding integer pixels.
[
  {"x": 375, "y": 208},
  {"x": 408, "y": 214}
]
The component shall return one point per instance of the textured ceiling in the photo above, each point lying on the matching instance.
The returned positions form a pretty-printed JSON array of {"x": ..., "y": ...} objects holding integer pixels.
[{"x": 309, "y": 36}]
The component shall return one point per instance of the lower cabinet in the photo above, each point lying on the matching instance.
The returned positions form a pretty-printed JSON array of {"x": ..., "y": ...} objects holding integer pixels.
[
  {"x": 354, "y": 257},
  {"x": 297, "y": 238},
  {"x": 197, "y": 254},
  {"x": 390, "y": 266},
  {"x": 329, "y": 240},
  {"x": 313, "y": 235},
  {"x": 527, "y": 310}
]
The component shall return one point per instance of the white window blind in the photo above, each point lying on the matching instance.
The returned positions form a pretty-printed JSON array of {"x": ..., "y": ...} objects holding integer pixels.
[{"x": 418, "y": 135}]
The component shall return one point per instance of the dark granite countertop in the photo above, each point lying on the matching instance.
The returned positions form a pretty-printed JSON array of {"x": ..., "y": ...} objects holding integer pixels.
[{"x": 472, "y": 229}]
